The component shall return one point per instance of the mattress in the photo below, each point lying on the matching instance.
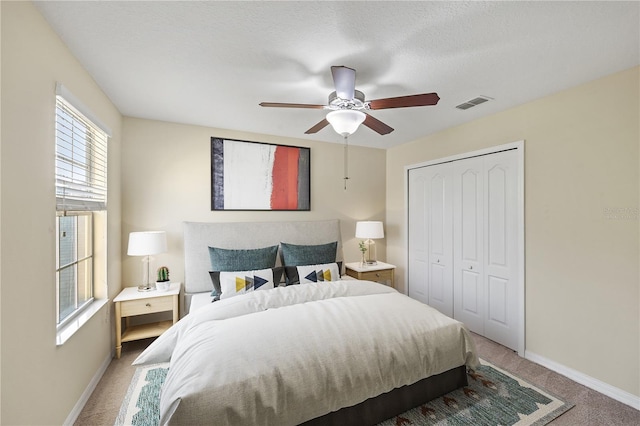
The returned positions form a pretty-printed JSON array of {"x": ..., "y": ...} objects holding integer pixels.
[{"x": 199, "y": 300}]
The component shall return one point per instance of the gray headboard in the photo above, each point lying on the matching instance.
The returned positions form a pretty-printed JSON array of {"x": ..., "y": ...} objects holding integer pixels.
[{"x": 198, "y": 236}]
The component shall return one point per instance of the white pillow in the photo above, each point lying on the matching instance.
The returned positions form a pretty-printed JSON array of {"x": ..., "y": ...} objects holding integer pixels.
[
  {"x": 318, "y": 273},
  {"x": 235, "y": 283}
]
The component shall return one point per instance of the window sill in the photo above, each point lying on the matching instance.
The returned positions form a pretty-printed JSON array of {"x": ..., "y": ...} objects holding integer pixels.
[{"x": 65, "y": 333}]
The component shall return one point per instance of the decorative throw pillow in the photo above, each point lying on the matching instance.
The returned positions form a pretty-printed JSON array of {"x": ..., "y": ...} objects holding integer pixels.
[
  {"x": 230, "y": 283},
  {"x": 298, "y": 255},
  {"x": 313, "y": 273},
  {"x": 243, "y": 259},
  {"x": 318, "y": 273}
]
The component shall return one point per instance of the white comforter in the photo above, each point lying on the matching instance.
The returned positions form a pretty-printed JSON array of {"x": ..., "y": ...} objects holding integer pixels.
[{"x": 288, "y": 355}]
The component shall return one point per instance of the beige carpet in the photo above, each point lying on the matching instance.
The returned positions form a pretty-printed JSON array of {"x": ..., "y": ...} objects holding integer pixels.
[{"x": 592, "y": 408}]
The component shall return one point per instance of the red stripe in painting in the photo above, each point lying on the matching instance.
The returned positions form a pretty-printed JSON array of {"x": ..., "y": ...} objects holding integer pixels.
[{"x": 284, "y": 195}]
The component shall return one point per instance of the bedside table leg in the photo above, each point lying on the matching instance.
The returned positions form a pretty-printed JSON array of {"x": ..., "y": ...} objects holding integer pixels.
[
  {"x": 176, "y": 309},
  {"x": 118, "y": 331}
]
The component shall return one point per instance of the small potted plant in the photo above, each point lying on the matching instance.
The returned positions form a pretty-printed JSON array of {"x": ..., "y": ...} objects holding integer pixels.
[
  {"x": 363, "y": 249},
  {"x": 162, "y": 282}
]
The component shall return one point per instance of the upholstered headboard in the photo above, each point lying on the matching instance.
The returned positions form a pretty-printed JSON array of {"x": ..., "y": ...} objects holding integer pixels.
[{"x": 198, "y": 236}]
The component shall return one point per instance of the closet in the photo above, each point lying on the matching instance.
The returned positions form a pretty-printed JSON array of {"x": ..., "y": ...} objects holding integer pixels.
[{"x": 465, "y": 240}]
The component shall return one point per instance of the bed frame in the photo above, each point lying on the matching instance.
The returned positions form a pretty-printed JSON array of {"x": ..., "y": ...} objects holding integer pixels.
[{"x": 198, "y": 236}]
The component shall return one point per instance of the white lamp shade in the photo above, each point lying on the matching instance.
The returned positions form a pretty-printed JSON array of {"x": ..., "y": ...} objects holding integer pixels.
[
  {"x": 369, "y": 229},
  {"x": 147, "y": 243},
  {"x": 346, "y": 121}
]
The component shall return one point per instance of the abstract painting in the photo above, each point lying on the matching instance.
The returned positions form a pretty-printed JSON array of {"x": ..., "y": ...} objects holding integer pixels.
[{"x": 249, "y": 175}]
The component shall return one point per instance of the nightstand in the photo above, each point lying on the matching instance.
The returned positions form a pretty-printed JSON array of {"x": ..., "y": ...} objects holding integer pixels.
[
  {"x": 380, "y": 272},
  {"x": 131, "y": 302}
]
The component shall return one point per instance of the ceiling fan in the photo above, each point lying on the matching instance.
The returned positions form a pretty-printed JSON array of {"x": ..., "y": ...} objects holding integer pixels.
[{"x": 347, "y": 105}]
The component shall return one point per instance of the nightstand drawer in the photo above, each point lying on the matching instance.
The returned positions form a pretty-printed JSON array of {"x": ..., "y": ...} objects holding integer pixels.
[
  {"x": 377, "y": 276},
  {"x": 146, "y": 306}
]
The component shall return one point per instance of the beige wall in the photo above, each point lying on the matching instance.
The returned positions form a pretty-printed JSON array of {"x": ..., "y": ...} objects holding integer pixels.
[
  {"x": 166, "y": 174},
  {"x": 581, "y": 158},
  {"x": 582, "y": 262},
  {"x": 41, "y": 383}
]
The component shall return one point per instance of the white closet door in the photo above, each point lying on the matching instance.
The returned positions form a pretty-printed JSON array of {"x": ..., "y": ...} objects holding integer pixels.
[
  {"x": 464, "y": 242},
  {"x": 418, "y": 247},
  {"x": 430, "y": 237},
  {"x": 440, "y": 238},
  {"x": 468, "y": 236},
  {"x": 501, "y": 248}
]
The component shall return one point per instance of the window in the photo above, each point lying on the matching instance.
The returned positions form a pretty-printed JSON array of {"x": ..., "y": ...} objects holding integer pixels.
[
  {"x": 81, "y": 192},
  {"x": 74, "y": 266}
]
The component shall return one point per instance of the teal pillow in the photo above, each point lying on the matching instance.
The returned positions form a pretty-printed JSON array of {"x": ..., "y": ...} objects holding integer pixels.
[
  {"x": 242, "y": 260},
  {"x": 299, "y": 255}
]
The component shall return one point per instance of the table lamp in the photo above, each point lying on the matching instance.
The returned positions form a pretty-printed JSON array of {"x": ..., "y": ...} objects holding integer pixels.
[
  {"x": 370, "y": 230},
  {"x": 147, "y": 244}
]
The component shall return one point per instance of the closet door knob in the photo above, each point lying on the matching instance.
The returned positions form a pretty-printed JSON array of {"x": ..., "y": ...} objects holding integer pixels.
[
  {"x": 438, "y": 261},
  {"x": 470, "y": 267}
]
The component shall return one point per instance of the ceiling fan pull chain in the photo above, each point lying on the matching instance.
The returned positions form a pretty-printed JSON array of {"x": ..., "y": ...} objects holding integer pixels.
[{"x": 346, "y": 161}]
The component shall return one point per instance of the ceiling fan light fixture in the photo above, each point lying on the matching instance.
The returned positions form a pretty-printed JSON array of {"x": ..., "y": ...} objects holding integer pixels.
[{"x": 345, "y": 121}]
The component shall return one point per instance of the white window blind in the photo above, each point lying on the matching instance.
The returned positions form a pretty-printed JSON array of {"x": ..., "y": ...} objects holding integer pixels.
[{"x": 81, "y": 161}]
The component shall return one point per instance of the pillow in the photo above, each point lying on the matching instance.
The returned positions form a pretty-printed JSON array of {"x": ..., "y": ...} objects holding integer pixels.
[
  {"x": 297, "y": 255},
  {"x": 293, "y": 274},
  {"x": 242, "y": 260},
  {"x": 229, "y": 283},
  {"x": 318, "y": 273}
]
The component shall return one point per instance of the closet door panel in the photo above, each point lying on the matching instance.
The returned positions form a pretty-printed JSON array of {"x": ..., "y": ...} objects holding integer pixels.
[
  {"x": 497, "y": 291},
  {"x": 418, "y": 248},
  {"x": 468, "y": 230},
  {"x": 440, "y": 239},
  {"x": 471, "y": 300},
  {"x": 501, "y": 176}
]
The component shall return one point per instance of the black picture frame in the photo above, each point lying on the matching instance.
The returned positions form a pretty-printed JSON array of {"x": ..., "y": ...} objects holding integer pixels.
[{"x": 259, "y": 176}]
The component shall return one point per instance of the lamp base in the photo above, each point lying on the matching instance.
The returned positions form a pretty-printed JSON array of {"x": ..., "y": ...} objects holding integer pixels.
[{"x": 147, "y": 287}]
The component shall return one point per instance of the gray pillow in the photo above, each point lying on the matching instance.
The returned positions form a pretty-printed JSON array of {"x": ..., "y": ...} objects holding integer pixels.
[{"x": 242, "y": 260}]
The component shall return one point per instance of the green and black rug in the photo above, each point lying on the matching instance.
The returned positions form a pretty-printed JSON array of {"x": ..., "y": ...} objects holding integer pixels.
[{"x": 493, "y": 397}]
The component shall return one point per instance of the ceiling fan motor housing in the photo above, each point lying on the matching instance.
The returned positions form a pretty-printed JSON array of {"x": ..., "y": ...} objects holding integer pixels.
[{"x": 356, "y": 103}]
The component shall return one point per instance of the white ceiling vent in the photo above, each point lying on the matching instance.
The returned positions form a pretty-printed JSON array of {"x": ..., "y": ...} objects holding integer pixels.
[{"x": 474, "y": 102}]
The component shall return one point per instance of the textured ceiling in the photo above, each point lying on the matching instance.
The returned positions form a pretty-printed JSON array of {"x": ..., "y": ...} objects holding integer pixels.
[{"x": 211, "y": 63}]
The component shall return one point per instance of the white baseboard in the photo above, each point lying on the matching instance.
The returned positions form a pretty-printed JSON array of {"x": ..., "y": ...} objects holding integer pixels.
[
  {"x": 588, "y": 381},
  {"x": 77, "y": 409}
]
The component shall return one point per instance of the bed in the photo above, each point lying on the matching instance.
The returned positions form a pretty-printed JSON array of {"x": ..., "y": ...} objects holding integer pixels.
[{"x": 323, "y": 352}]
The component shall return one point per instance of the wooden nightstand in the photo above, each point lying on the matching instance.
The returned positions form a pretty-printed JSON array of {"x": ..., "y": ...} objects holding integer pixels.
[
  {"x": 131, "y": 302},
  {"x": 380, "y": 272}
]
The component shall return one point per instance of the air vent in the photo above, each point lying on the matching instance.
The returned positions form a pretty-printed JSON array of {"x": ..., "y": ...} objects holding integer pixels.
[{"x": 474, "y": 102}]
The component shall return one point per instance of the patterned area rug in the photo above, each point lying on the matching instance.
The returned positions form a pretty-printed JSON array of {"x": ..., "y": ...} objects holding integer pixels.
[{"x": 493, "y": 397}]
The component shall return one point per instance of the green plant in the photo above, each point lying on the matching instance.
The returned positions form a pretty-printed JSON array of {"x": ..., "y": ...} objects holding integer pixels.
[
  {"x": 163, "y": 274},
  {"x": 363, "y": 248}
]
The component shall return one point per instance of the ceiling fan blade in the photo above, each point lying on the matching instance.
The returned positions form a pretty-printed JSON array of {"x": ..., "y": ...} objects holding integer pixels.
[
  {"x": 377, "y": 125},
  {"x": 285, "y": 105},
  {"x": 344, "y": 79},
  {"x": 424, "y": 99},
  {"x": 321, "y": 125}
]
